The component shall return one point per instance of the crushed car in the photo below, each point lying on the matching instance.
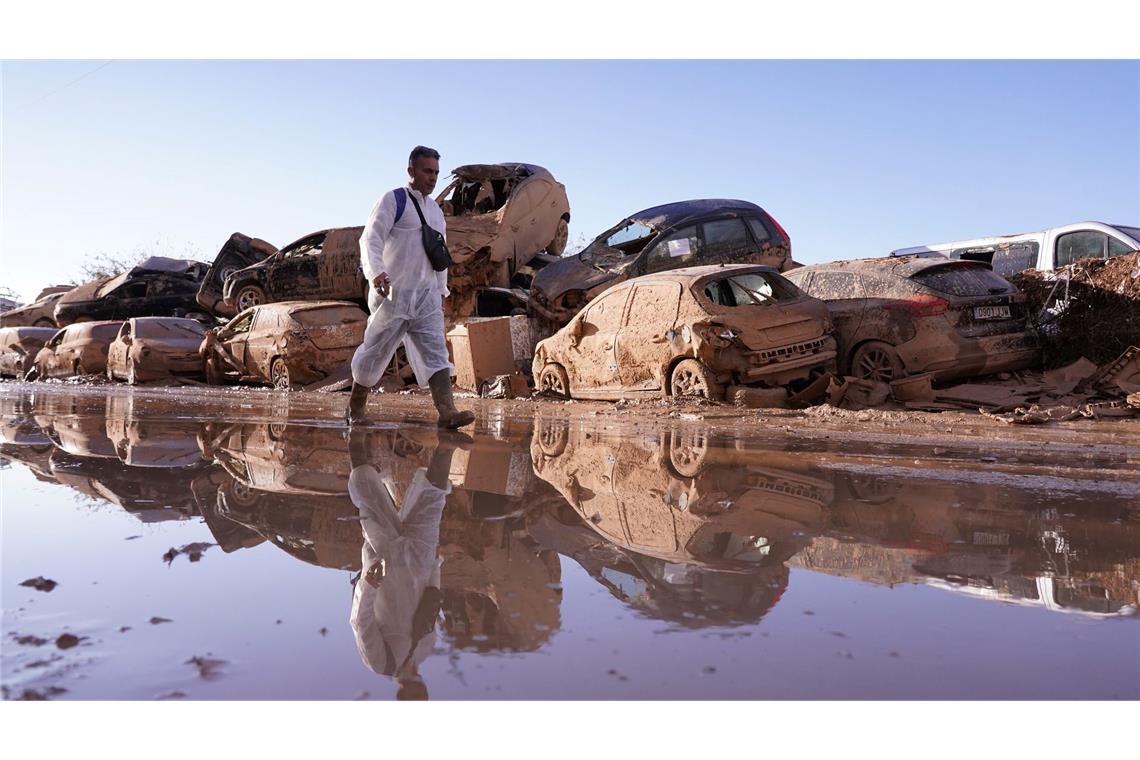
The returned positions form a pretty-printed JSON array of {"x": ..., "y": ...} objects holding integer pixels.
[
  {"x": 901, "y": 316},
  {"x": 238, "y": 252},
  {"x": 286, "y": 345},
  {"x": 154, "y": 348},
  {"x": 689, "y": 332},
  {"x": 499, "y": 218},
  {"x": 38, "y": 313},
  {"x": 675, "y": 235},
  {"x": 158, "y": 287},
  {"x": 322, "y": 266},
  {"x": 19, "y": 346},
  {"x": 78, "y": 349}
]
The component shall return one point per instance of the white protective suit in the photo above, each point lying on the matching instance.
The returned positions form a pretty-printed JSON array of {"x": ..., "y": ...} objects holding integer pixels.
[
  {"x": 407, "y": 540},
  {"x": 413, "y": 310}
]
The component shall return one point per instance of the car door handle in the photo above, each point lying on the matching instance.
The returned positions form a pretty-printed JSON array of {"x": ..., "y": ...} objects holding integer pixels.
[{"x": 608, "y": 346}]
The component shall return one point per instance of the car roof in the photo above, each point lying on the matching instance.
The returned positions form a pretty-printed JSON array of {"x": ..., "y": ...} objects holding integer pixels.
[
  {"x": 498, "y": 171},
  {"x": 898, "y": 266},
  {"x": 670, "y": 214},
  {"x": 25, "y": 332},
  {"x": 79, "y": 327}
]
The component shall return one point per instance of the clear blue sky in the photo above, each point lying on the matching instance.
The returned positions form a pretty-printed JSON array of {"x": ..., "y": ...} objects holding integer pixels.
[{"x": 853, "y": 158}]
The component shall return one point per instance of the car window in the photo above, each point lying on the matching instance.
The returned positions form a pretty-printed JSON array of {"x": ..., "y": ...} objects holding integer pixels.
[
  {"x": 132, "y": 290},
  {"x": 1083, "y": 244},
  {"x": 1118, "y": 247},
  {"x": 605, "y": 314},
  {"x": 724, "y": 235},
  {"x": 242, "y": 325},
  {"x": 1014, "y": 258},
  {"x": 675, "y": 251},
  {"x": 970, "y": 280},
  {"x": 834, "y": 285},
  {"x": 759, "y": 231},
  {"x": 750, "y": 289},
  {"x": 105, "y": 332},
  {"x": 630, "y": 233}
]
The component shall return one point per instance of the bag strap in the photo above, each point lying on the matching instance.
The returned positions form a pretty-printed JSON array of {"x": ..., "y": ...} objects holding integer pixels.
[
  {"x": 401, "y": 203},
  {"x": 418, "y": 211}
]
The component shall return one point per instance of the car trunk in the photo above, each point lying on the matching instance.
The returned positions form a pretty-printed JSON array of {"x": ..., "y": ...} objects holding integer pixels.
[
  {"x": 979, "y": 302},
  {"x": 776, "y": 324},
  {"x": 331, "y": 328}
]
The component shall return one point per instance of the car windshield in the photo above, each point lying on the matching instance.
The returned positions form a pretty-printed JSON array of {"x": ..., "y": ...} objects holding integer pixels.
[
  {"x": 1132, "y": 232},
  {"x": 749, "y": 289},
  {"x": 961, "y": 280},
  {"x": 627, "y": 240}
]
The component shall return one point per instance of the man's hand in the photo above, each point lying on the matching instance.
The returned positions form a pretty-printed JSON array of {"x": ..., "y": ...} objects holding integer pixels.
[{"x": 381, "y": 283}]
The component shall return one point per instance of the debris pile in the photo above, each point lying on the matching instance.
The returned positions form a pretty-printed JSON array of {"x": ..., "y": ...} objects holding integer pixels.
[{"x": 1090, "y": 308}]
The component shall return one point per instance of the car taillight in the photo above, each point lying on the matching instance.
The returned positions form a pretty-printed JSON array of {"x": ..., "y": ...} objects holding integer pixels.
[
  {"x": 780, "y": 229},
  {"x": 924, "y": 305}
]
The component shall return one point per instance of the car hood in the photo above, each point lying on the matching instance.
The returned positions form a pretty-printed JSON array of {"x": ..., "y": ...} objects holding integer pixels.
[
  {"x": 571, "y": 273},
  {"x": 88, "y": 291}
]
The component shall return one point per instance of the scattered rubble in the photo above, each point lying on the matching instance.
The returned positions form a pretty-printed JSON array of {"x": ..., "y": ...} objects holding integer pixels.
[
  {"x": 68, "y": 640},
  {"x": 40, "y": 583}
]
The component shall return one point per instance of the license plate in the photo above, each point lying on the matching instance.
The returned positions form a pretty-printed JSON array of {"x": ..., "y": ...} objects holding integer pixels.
[{"x": 991, "y": 312}]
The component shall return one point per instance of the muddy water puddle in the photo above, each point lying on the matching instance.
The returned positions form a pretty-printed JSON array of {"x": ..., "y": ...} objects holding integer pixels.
[{"x": 243, "y": 546}]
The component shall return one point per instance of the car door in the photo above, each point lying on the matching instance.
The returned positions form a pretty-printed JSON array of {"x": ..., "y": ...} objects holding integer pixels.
[
  {"x": 237, "y": 338},
  {"x": 339, "y": 265},
  {"x": 591, "y": 364},
  {"x": 680, "y": 248},
  {"x": 295, "y": 272},
  {"x": 263, "y": 344},
  {"x": 644, "y": 343},
  {"x": 126, "y": 301}
]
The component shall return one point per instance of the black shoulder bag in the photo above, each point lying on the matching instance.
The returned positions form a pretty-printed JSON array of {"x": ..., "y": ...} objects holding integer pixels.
[{"x": 434, "y": 244}]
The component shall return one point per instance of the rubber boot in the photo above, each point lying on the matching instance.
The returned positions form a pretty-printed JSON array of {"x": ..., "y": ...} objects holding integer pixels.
[
  {"x": 357, "y": 403},
  {"x": 449, "y": 416}
]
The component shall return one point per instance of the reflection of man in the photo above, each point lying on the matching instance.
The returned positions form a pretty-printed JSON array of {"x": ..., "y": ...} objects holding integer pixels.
[
  {"x": 404, "y": 293},
  {"x": 397, "y": 599}
]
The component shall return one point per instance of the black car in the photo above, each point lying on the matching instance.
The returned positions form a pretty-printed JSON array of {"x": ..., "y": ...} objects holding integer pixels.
[
  {"x": 675, "y": 235},
  {"x": 158, "y": 287}
]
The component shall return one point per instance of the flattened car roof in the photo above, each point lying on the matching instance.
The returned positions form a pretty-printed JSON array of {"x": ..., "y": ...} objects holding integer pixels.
[
  {"x": 497, "y": 171},
  {"x": 671, "y": 213}
]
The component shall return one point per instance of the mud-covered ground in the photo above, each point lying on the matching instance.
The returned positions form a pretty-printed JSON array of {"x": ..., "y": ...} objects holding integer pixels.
[{"x": 210, "y": 543}]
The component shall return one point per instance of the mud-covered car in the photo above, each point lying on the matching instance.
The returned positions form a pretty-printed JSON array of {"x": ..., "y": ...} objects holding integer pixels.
[
  {"x": 689, "y": 332},
  {"x": 158, "y": 287},
  {"x": 38, "y": 313},
  {"x": 19, "y": 346},
  {"x": 322, "y": 266},
  {"x": 79, "y": 349},
  {"x": 903, "y": 316},
  {"x": 675, "y": 235},
  {"x": 286, "y": 344},
  {"x": 239, "y": 252},
  {"x": 153, "y": 348}
]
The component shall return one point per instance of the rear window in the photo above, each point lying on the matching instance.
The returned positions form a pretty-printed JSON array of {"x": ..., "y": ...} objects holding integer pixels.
[
  {"x": 340, "y": 315},
  {"x": 149, "y": 329},
  {"x": 750, "y": 289},
  {"x": 963, "y": 280}
]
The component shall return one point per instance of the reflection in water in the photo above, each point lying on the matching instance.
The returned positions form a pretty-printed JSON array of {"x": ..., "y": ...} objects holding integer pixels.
[{"x": 454, "y": 543}]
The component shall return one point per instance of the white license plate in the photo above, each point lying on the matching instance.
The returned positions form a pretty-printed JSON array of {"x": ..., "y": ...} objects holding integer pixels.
[{"x": 991, "y": 312}]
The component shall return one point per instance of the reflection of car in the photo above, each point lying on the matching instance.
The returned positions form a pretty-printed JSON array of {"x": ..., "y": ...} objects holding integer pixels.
[
  {"x": 901, "y": 316},
  {"x": 688, "y": 233},
  {"x": 158, "y": 286},
  {"x": 79, "y": 349},
  {"x": 284, "y": 459},
  {"x": 688, "y": 333},
  {"x": 321, "y": 266},
  {"x": 239, "y": 252},
  {"x": 39, "y": 313},
  {"x": 284, "y": 344},
  {"x": 150, "y": 348},
  {"x": 19, "y": 346}
]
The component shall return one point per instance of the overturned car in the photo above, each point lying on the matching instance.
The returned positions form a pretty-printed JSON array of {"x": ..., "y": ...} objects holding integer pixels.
[
  {"x": 689, "y": 332},
  {"x": 238, "y": 252},
  {"x": 675, "y": 235},
  {"x": 158, "y": 287}
]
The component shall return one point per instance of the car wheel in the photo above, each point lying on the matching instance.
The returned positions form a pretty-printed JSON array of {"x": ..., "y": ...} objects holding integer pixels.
[
  {"x": 279, "y": 375},
  {"x": 875, "y": 360},
  {"x": 250, "y": 295},
  {"x": 687, "y": 452},
  {"x": 552, "y": 379},
  {"x": 553, "y": 437},
  {"x": 693, "y": 379},
  {"x": 557, "y": 246}
]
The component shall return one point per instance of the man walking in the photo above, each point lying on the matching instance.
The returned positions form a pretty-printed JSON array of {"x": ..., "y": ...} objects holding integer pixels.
[{"x": 405, "y": 294}]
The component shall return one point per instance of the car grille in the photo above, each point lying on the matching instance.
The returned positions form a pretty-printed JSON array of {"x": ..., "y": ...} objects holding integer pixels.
[{"x": 788, "y": 352}]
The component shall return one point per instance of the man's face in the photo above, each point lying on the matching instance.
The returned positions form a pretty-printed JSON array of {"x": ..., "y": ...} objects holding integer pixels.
[{"x": 424, "y": 173}]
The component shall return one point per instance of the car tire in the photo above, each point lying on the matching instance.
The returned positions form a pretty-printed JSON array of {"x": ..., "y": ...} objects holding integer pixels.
[
  {"x": 687, "y": 452},
  {"x": 553, "y": 436},
  {"x": 557, "y": 246},
  {"x": 553, "y": 380},
  {"x": 876, "y": 360},
  {"x": 692, "y": 379},
  {"x": 249, "y": 296},
  {"x": 279, "y": 375}
]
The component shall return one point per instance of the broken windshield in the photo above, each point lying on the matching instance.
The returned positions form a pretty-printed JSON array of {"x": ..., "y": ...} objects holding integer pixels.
[{"x": 629, "y": 239}]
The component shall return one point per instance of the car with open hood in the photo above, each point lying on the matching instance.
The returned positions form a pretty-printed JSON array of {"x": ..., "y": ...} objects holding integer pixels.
[
  {"x": 658, "y": 239},
  {"x": 153, "y": 348},
  {"x": 689, "y": 332},
  {"x": 285, "y": 344},
  {"x": 900, "y": 316},
  {"x": 238, "y": 252},
  {"x": 19, "y": 346},
  {"x": 78, "y": 349},
  {"x": 157, "y": 287}
]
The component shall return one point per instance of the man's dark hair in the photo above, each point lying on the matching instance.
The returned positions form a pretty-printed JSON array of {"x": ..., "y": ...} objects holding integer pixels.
[{"x": 421, "y": 151}]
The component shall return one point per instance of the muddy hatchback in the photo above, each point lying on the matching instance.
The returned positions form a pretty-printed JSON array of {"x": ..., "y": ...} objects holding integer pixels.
[{"x": 903, "y": 316}]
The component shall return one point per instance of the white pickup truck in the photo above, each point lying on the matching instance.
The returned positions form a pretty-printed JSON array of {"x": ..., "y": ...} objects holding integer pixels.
[{"x": 1045, "y": 250}]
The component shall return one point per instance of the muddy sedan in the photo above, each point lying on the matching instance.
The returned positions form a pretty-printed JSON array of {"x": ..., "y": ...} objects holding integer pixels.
[
  {"x": 689, "y": 332},
  {"x": 19, "y": 346},
  {"x": 286, "y": 344},
  {"x": 153, "y": 348},
  {"x": 39, "y": 313},
  {"x": 675, "y": 235},
  {"x": 79, "y": 349},
  {"x": 896, "y": 317}
]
